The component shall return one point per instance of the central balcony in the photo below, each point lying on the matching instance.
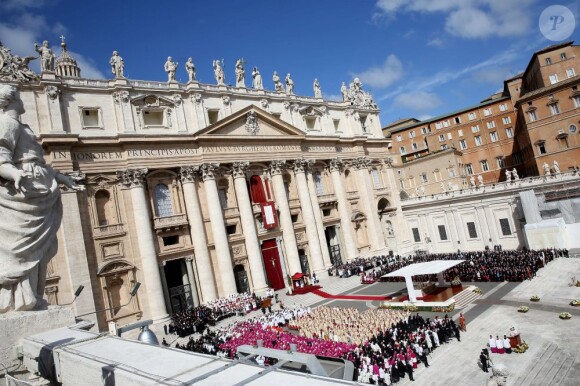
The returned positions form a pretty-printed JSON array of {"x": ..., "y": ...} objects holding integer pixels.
[{"x": 176, "y": 220}]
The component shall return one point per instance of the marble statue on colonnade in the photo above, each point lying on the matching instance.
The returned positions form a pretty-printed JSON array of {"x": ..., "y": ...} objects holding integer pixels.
[
  {"x": 190, "y": 68},
  {"x": 257, "y": 79},
  {"x": 240, "y": 73},
  {"x": 30, "y": 208},
  {"x": 170, "y": 68},
  {"x": 117, "y": 65},
  {"x": 317, "y": 90},
  {"x": 289, "y": 85},
  {"x": 278, "y": 86},
  {"x": 46, "y": 56},
  {"x": 218, "y": 71}
]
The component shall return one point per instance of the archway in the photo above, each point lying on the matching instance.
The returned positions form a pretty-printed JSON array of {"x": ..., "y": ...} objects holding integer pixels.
[{"x": 241, "y": 277}]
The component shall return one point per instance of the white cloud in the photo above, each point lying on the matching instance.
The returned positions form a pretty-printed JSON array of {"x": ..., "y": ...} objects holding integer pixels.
[
  {"x": 418, "y": 101},
  {"x": 28, "y": 29},
  {"x": 382, "y": 76},
  {"x": 332, "y": 97},
  {"x": 470, "y": 19},
  {"x": 16, "y": 5},
  {"x": 436, "y": 42},
  {"x": 424, "y": 117},
  {"x": 492, "y": 75}
]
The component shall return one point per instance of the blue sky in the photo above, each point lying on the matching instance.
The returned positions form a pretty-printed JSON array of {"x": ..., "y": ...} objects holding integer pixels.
[{"x": 419, "y": 58}]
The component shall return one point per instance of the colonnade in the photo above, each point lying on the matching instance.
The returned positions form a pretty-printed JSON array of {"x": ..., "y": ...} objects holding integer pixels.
[{"x": 134, "y": 180}]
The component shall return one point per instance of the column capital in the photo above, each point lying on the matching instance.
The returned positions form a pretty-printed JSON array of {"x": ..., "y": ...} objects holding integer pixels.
[
  {"x": 388, "y": 162},
  {"x": 277, "y": 166},
  {"x": 189, "y": 174},
  {"x": 335, "y": 165},
  {"x": 302, "y": 165},
  {"x": 239, "y": 169},
  {"x": 132, "y": 178},
  {"x": 361, "y": 163},
  {"x": 209, "y": 170}
]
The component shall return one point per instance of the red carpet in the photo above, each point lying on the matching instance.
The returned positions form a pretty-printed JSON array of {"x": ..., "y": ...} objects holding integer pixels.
[
  {"x": 350, "y": 297},
  {"x": 304, "y": 290}
]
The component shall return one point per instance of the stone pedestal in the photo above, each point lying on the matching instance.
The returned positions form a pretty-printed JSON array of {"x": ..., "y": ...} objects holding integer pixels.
[{"x": 20, "y": 324}]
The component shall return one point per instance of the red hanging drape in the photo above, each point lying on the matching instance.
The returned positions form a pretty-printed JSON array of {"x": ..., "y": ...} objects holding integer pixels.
[{"x": 257, "y": 190}]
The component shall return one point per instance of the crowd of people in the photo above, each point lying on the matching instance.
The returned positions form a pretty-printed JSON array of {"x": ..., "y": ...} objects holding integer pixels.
[{"x": 489, "y": 265}]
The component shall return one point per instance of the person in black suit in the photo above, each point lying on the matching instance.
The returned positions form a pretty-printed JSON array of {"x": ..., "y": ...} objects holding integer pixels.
[
  {"x": 410, "y": 371},
  {"x": 483, "y": 359}
]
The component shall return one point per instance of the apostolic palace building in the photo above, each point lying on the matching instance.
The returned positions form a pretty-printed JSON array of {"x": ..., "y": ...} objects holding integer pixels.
[{"x": 199, "y": 191}]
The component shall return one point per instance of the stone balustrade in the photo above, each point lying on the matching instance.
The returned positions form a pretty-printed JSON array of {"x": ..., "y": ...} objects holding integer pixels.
[
  {"x": 170, "y": 221},
  {"x": 108, "y": 230}
]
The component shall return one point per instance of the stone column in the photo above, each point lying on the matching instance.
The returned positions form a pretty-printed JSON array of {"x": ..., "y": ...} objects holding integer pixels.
[
  {"x": 165, "y": 287},
  {"x": 460, "y": 231},
  {"x": 410, "y": 289},
  {"x": 343, "y": 209},
  {"x": 218, "y": 228},
  {"x": 276, "y": 169},
  {"x": 249, "y": 227},
  {"x": 493, "y": 231},
  {"x": 486, "y": 234},
  {"x": 192, "y": 281},
  {"x": 189, "y": 175},
  {"x": 319, "y": 222},
  {"x": 366, "y": 194},
  {"x": 76, "y": 256},
  {"x": 134, "y": 180},
  {"x": 308, "y": 215}
]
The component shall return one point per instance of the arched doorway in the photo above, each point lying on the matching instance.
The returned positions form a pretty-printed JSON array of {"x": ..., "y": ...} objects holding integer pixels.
[{"x": 241, "y": 277}]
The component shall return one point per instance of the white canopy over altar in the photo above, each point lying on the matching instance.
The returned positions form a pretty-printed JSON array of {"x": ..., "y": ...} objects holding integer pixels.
[{"x": 427, "y": 268}]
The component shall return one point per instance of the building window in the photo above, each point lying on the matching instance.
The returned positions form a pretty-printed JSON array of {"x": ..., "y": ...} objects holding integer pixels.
[
  {"x": 336, "y": 123},
  {"x": 509, "y": 132},
  {"x": 554, "y": 109},
  {"x": 231, "y": 229},
  {"x": 484, "y": 165},
  {"x": 542, "y": 147},
  {"x": 438, "y": 125},
  {"x": 153, "y": 118},
  {"x": 414, "y": 146},
  {"x": 399, "y": 138},
  {"x": 412, "y": 134},
  {"x": 503, "y": 107},
  {"x": 170, "y": 240},
  {"x": 553, "y": 79},
  {"x": 471, "y": 230},
  {"x": 477, "y": 140},
  {"x": 506, "y": 120},
  {"x": 563, "y": 56},
  {"x": 442, "y": 232},
  {"x": 441, "y": 138},
  {"x": 469, "y": 169},
  {"x": 416, "y": 235},
  {"x": 462, "y": 144},
  {"x": 424, "y": 130},
  {"x": 472, "y": 116},
  {"x": 449, "y": 136},
  {"x": 444, "y": 147},
  {"x": 163, "y": 205},
  {"x": 533, "y": 116},
  {"x": 493, "y": 136},
  {"x": 403, "y": 151},
  {"x": 505, "y": 227},
  {"x": 446, "y": 123},
  {"x": 213, "y": 116},
  {"x": 460, "y": 133},
  {"x": 490, "y": 124},
  {"x": 548, "y": 61},
  {"x": 563, "y": 140},
  {"x": 457, "y": 120},
  {"x": 424, "y": 178},
  {"x": 451, "y": 172},
  {"x": 475, "y": 129},
  {"x": 91, "y": 118},
  {"x": 294, "y": 218},
  {"x": 311, "y": 123},
  {"x": 376, "y": 178},
  {"x": 223, "y": 196},
  {"x": 500, "y": 162},
  {"x": 576, "y": 100},
  {"x": 570, "y": 72},
  {"x": 318, "y": 185},
  {"x": 487, "y": 112},
  {"x": 572, "y": 129}
]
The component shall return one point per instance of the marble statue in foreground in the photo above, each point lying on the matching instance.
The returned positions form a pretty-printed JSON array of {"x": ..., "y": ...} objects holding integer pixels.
[{"x": 30, "y": 208}]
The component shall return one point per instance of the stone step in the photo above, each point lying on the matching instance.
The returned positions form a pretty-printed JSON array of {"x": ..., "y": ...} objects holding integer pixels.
[
  {"x": 556, "y": 374},
  {"x": 535, "y": 368}
]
